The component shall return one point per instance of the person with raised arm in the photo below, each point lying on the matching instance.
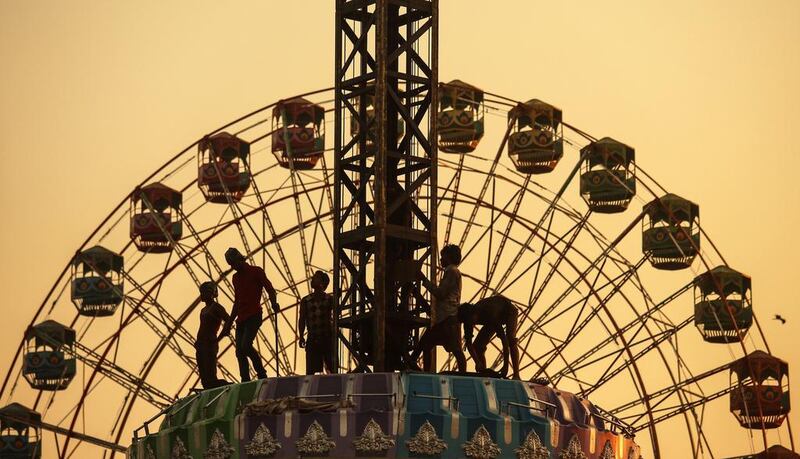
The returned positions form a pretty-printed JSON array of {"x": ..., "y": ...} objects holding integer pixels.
[
  {"x": 444, "y": 330},
  {"x": 248, "y": 283}
]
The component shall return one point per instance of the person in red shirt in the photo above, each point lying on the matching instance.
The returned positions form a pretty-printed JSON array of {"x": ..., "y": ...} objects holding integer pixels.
[{"x": 248, "y": 281}]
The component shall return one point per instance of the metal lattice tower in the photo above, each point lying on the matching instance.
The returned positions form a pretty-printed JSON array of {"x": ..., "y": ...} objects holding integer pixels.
[{"x": 385, "y": 174}]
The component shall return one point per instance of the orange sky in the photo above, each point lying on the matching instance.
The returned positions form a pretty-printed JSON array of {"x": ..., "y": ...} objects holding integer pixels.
[{"x": 95, "y": 95}]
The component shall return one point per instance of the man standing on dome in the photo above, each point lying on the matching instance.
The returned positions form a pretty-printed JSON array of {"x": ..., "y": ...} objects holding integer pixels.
[
  {"x": 248, "y": 281},
  {"x": 445, "y": 330},
  {"x": 316, "y": 312}
]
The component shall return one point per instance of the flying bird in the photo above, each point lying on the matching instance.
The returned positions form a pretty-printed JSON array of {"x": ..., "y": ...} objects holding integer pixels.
[{"x": 778, "y": 317}]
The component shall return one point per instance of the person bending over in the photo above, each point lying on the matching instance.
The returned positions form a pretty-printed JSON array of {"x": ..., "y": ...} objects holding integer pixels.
[{"x": 498, "y": 316}]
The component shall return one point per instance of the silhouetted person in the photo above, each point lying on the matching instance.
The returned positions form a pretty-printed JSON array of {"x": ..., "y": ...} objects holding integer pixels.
[
  {"x": 444, "y": 330},
  {"x": 248, "y": 281},
  {"x": 498, "y": 316},
  {"x": 316, "y": 312},
  {"x": 207, "y": 345}
]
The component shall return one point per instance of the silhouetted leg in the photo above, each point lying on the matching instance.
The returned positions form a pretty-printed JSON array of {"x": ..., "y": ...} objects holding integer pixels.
[
  {"x": 424, "y": 347},
  {"x": 206, "y": 364},
  {"x": 241, "y": 354},
  {"x": 313, "y": 357},
  {"x": 327, "y": 357},
  {"x": 245, "y": 336},
  {"x": 511, "y": 336},
  {"x": 255, "y": 357},
  {"x": 461, "y": 359},
  {"x": 480, "y": 343}
]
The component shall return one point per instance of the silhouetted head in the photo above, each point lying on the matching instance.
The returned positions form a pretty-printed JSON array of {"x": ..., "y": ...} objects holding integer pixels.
[
  {"x": 450, "y": 255},
  {"x": 234, "y": 258},
  {"x": 320, "y": 281},
  {"x": 208, "y": 291}
]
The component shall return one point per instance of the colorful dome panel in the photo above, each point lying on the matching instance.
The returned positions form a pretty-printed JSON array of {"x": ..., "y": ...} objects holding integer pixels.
[{"x": 399, "y": 415}]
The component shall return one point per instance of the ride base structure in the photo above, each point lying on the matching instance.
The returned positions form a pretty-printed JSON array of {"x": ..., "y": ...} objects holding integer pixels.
[{"x": 401, "y": 414}]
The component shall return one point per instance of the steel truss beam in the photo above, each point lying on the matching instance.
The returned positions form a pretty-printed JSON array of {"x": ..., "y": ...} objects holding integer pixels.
[{"x": 385, "y": 172}]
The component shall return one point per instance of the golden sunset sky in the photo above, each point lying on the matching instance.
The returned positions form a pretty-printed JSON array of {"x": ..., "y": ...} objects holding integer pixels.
[{"x": 95, "y": 95}]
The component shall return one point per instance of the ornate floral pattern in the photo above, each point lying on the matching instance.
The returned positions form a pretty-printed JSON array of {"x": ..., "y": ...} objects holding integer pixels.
[
  {"x": 373, "y": 440},
  {"x": 263, "y": 443},
  {"x": 481, "y": 445},
  {"x": 179, "y": 450},
  {"x": 315, "y": 441},
  {"x": 532, "y": 448},
  {"x": 426, "y": 441},
  {"x": 574, "y": 450},
  {"x": 608, "y": 451},
  {"x": 218, "y": 448}
]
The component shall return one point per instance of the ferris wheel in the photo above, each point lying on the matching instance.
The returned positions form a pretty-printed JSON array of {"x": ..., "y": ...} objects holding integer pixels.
[{"x": 616, "y": 281}]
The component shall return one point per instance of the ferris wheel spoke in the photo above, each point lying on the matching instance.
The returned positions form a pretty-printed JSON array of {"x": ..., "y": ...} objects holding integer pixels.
[
  {"x": 611, "y": 339},
  {"x": 285, "y": 273},
  {"x": 581, "y": 278},
  {"x": 634, "y": 341},
  {"x": 487, "y": 229},
  {"x": 610, "y": 373},
  {"x": 456, "y": 179},
  {"x": 668, "y": 412},
  {"x": 166, "y": 317},
  {"x": 122, "y": 377},
  {"x": 534, "y": 298},
  {"x": 485, "y": 186},
  {"x": 539, "y": 258},
  {"x": 550, "y": 208},
  {"x": 662, "y": 395},
  {"x": 490, "y": 272},
  {"x": 578, "y": 327},
  {"x": 545, "y": 318}
]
